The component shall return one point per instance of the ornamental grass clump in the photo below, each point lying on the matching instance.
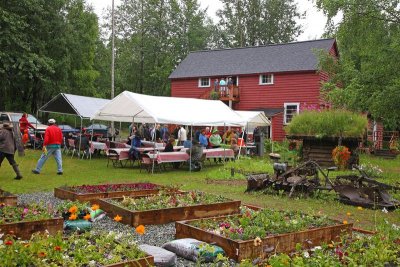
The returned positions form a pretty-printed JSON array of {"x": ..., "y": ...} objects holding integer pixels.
[
  {"x": 164, "y": 201},
  {"x": 328, "y": 123},
  {"x": 261, "y": 224},
  {"x": 77, "y": 250}
]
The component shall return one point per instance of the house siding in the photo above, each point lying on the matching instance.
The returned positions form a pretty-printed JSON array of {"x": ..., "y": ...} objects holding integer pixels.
[{"x": 298, "y": 87}]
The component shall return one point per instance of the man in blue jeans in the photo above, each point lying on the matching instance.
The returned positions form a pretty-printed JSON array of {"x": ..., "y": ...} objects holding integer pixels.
[{"x": 51, "y": 146}]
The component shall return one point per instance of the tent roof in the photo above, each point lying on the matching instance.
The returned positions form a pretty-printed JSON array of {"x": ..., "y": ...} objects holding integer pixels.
[
  {"x": 82, "y": 106},
  {"x": 157, "y": 109},
  {"x": 254, "y": 117}
]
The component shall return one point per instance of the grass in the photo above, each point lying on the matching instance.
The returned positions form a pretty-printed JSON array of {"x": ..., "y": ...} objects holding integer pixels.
[{"x": 214, "y": 178}]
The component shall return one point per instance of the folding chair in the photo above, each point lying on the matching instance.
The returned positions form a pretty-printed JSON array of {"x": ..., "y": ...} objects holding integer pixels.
[{"x": 71, "y": 147}]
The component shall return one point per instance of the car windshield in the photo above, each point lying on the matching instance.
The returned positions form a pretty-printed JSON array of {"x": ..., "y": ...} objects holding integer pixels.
[{"x": 31, "y": 119}]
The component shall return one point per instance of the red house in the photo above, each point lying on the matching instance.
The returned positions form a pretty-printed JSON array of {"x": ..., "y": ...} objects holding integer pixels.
[{"x": 279, "y": 79}]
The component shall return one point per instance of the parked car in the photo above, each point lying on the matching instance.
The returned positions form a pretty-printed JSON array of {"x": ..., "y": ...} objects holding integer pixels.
[
  {"x": 67, "y": 129},
  {"x": 15, "y": 116},
  {"x": 98, "y": 130}
]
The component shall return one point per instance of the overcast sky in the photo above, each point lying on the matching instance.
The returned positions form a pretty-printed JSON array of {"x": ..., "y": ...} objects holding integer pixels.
[{"x": 313, "y": 24}]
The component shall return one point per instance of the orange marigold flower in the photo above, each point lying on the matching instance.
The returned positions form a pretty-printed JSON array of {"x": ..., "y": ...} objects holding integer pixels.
[
  {"x": 42, "y": 254},
  {"x": 330, "y": 245},
  {"x": 348, "y": 214},
  {"x": 95, "y": 207},
  {"x": 73, "y": 209},
  {"x": 140, "y": 230},
  {"x": 57, "y": 248},
  {"x": 27, "y": 245},
  {"x": 86, "y": 217},
  {"x": 360, "y": 208},
  {"x": 345, "y": 222},
  {"x": 72, "y": 217},
  {"x": 118, "y": 218}
]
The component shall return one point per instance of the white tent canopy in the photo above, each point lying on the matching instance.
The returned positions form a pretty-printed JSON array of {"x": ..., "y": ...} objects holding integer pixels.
[
  {"x": 254, "y": 118},
  {"x": 82, "y": 106},
  {"x": 129, "y": 106}
]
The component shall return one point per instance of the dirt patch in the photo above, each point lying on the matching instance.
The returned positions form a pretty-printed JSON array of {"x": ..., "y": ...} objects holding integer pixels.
[{"x": 227, "y": 182}]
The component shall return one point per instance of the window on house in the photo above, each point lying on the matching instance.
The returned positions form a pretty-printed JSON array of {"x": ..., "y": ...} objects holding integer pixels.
[
  {"x": 291, "y": 109},
  {"x": 266, "y": 79},
  {"x": 204, "y": 82}
]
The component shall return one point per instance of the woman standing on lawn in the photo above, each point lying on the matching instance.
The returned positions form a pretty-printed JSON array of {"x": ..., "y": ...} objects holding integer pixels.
[{"x": 8, "y": 147}]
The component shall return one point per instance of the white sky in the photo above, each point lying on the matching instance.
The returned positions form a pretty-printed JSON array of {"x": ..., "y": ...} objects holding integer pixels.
[{"x": 313, "y": 24}]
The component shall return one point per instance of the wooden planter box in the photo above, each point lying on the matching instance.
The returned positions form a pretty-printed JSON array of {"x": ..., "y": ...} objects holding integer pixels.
[
  {"x": 162, "y": 216},
  {"x": 10, "y": 200},
  {"x": 93, "y": 197},
  {"x": 239, "y": 249},
  {"x": 24, "y": 230},
  {"x": 143, "y": 262}
]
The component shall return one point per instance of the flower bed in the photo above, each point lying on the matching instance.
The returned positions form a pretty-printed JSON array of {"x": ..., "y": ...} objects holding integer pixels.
[
  {"x": 7, "y": 198},
  {"x": 94, "y": 192},
  {"x": 165, "y": 208},
  {"x": 76, "y": 250},
  {"x": 256, "y": 233},
  {"x": 22, "y": 221}
]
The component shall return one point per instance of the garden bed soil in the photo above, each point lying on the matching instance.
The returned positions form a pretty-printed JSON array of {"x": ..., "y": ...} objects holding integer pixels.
[
  {"x": 163, "y": 216},
  {"x": 64, "y": 193},
  {"x": 280, "y": 243},
  {"x": 148, "y": 261},
  {"x": 24, "y": 230},
  {"x": 8, "y": 198}
]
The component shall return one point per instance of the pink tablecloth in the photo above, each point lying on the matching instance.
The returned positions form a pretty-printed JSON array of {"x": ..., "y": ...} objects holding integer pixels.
[
  {"x": 123, "y": 153},
  {"x": 165, "y": 157},
  {"x": 219, "y": 153}
]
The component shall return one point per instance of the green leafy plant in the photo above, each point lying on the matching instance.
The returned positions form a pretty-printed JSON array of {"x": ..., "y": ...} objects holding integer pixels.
[
  {"x": 77, "y": 250},
  {"x": 214, "y": 95},
  {"x": 163, "y": 201},
  {"x": 32, "y": 212}
]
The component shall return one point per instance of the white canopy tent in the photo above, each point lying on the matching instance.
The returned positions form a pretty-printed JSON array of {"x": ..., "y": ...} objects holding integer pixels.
[
  {"x": 256, "y": 118},
  {"x": 129, "y": 106}
]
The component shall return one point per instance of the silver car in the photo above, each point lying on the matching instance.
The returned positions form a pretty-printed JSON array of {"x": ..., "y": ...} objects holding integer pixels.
[{"x": 15, "y": 116}]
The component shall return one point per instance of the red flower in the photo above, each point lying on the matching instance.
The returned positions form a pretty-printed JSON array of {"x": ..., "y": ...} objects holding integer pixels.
[
  {"x": 8, "y": 243},
  {"x": 42, "y": 254},
  {"x": 57, "y": 248}
]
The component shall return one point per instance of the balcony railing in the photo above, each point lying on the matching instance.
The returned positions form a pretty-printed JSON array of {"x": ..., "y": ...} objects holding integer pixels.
[{"x": 232, "y": 94}]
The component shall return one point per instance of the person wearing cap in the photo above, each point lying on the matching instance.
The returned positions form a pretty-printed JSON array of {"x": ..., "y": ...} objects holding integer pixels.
[
  {"x": 8, "y": 146},
  {"x": 215, "y": 139},
  {"x": 52, "y": 146}
]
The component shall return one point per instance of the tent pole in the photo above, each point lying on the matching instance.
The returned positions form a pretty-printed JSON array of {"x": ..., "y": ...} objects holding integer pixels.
[
  {"x": 190, "y": 149},
  {"x": 224, "y": 146},
  {"x": 154, "y": 146},
  {"x": 240, "y": 147},
  {"x": 80, "y": 140},
  {"x": 120, "y": 126}
]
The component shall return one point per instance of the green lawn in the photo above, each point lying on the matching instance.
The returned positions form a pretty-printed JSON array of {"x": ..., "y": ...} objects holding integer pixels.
[{"x": 213, "y": 178}]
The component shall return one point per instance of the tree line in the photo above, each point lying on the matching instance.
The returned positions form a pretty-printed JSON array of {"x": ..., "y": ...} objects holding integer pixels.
[{"x": 48, "y": 47}]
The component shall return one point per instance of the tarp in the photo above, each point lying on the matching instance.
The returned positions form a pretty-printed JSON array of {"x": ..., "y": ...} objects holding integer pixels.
[
  {"x": 129, "y": 106},
  {"x": 82, "y": 106},
  {"x": 254, "y": 118}
]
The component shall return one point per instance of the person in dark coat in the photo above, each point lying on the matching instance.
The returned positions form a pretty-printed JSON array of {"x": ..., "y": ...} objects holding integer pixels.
[{"x": 8, "y": 147}]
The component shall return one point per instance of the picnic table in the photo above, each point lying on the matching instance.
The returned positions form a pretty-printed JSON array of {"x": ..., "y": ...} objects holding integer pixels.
[
  {"x": 168, "y": 157},
  {"x": 219, "y": 153},
  {"x": 98, "y": 145}
]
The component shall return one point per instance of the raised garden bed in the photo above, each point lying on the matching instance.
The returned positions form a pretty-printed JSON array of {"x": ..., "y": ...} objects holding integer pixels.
[
  {"x": 161, "y": 209},
  {"x": 257, "y": 233},
  {"x": 8, "y": 198},
  {"x": 92, "y": 193},
  {"x": 101, "y": 249},
  {"x": 23, "y": 221}
]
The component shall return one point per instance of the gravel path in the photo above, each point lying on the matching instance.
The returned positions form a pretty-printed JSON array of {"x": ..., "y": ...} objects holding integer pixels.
[{"x": 155, "y": 235}]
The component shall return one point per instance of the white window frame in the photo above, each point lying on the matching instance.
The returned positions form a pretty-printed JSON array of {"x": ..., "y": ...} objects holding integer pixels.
[
  {"x": 260, "y": 82},
  {"x": 204, "y": 86},
  {"x": 285, "y": 109}
]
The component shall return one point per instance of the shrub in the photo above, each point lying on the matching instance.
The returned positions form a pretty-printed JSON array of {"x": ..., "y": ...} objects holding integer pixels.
[
  {"x": 341, "y": 156},
  {"x": 327, "y": 123},
  {"x": 214, "y": 95}
]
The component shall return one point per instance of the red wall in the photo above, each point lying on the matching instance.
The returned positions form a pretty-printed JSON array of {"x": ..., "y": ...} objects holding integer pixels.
[{"x": 294, "y": 87}]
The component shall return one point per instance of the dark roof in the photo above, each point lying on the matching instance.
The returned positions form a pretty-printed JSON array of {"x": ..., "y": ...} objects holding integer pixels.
[
  {"x": 270, "y": 112},
  {"x": 297, "y": 56}
]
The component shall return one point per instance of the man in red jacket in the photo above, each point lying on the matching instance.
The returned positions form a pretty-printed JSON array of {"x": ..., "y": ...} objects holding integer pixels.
[
  {"x": 52, "y": 146},
  {"x": 24, "y": 123}
]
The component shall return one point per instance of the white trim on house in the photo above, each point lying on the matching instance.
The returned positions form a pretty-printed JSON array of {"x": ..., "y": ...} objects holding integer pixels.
[
  {"x": 271, "y": 78},
  {"x": 285, "y": 122},
  {"x": 201, "y": 85}
]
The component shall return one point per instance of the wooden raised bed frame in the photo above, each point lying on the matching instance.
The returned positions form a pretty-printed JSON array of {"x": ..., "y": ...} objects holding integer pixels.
[
  {"x": 142, "y": 262},
  {"x": 24, "y": 230},
  {"x": 162, "y": 216},
  {"x": 10, "y": 200},
  {"x": 93, "y": 197},
  {"x": 239, "y": 249}
]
